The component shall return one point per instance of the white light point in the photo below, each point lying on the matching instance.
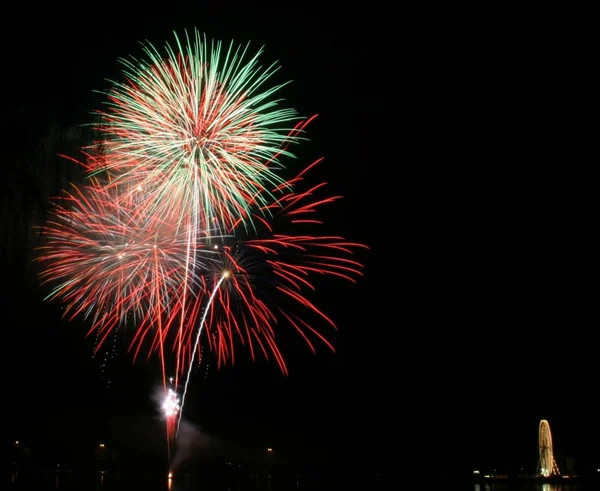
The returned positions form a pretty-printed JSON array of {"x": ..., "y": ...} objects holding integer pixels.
[{"x": 171, "y": 404}]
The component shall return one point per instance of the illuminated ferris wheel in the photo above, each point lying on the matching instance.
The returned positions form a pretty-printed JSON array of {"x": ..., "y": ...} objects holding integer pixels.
[{"x": 547, "y": 465}]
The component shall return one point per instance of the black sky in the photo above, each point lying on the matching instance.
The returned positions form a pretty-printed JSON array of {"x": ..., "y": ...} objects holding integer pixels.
[{"x": 452, "y": 149}]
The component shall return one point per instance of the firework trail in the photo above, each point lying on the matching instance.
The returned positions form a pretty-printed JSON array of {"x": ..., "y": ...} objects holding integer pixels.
[{"x": 224, "y": 276}]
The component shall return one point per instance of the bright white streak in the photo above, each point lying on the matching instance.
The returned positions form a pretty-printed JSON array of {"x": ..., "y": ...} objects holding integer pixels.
[{"x": 210, "y": 300}]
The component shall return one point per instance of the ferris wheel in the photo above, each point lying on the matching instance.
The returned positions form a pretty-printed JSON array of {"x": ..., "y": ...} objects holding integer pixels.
[{"x": 547, "y": 465}]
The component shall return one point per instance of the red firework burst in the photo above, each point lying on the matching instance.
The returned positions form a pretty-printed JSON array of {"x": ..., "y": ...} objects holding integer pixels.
[
  {"x": 270, "y": 276},
  {"x": 109, "y": 264}
]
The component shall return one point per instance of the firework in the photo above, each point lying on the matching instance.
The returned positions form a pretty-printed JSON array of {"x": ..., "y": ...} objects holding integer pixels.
[
  {"x": 198, "y": 127},
  {"x": 194, "y": 235},
  {"x": 269, "y": 276},
  {"x": 117, "y": 268},
  {"x": 262, "y": 279}
]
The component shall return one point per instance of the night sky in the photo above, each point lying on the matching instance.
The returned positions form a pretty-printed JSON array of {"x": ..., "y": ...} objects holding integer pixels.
[{"x": 452, "y": 150}]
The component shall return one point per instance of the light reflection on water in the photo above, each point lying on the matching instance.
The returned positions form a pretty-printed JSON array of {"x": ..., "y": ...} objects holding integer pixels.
[
  {"x": 527, "y": 487},
  {"x": 101, "y": 482},
  {"x": 71, "y": 481}
]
